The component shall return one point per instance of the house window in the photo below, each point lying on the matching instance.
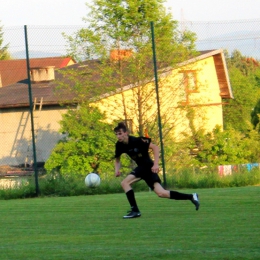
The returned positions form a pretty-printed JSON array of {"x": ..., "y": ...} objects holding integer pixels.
[{"x": 188, "y": 80}]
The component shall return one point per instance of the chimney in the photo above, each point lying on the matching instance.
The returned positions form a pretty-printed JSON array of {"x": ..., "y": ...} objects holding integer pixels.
[
  {"x": 1, "y": 85},
  {"x": 116, "y": 55},
  {"x": 40, "y": 74}
]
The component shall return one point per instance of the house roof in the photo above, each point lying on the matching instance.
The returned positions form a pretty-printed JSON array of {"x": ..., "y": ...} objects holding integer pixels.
[
  {"x": 13, "y": 71},
  {"x": 16, "y": 95}
]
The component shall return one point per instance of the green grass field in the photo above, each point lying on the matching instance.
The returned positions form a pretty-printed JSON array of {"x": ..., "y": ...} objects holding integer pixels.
[{"x": 227, "y": 226}]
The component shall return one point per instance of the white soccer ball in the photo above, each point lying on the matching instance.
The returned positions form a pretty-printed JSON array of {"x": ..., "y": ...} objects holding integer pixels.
[{"x": 92, "y": 180}]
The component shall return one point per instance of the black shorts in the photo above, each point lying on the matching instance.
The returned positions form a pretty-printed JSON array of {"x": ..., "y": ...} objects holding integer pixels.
[{"x": 147, "y": 175}]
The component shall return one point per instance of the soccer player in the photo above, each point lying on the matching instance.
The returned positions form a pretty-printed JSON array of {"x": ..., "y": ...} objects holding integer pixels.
[{"x": 137, "y": 148}]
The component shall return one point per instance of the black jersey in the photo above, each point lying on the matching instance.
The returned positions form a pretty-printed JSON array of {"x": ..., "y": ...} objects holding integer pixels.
[{"x": 137, "y": 149}]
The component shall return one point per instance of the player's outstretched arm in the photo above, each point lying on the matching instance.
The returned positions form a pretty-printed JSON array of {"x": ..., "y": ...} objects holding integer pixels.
[
  {"x": 117, "y": 167},
  {"x": 156, "y": 151}
]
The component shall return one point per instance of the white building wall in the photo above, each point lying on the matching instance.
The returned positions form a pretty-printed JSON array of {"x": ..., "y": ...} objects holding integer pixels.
[{"x": 16, "y": 136}]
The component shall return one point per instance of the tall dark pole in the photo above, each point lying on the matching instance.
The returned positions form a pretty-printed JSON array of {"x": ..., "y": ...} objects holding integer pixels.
[
  {"x": 31, "y": 112},
  {"x": 158, "y": 105}
]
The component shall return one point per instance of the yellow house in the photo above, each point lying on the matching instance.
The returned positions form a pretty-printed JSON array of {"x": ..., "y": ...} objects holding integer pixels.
[{"x": 191, "y": 97}]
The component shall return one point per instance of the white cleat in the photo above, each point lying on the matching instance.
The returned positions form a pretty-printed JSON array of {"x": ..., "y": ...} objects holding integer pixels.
[{"x": 195, "y": 200}]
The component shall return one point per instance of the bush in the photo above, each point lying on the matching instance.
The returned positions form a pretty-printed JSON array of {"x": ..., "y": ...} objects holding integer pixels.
[
  {"x": 60, "y": 185},
  {"x": 209, "y": 178},
  {"x": 24, "y": 190}
]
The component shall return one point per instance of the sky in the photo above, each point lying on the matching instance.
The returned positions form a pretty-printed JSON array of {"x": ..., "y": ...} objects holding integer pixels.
[{"x": 71, "y": 12}]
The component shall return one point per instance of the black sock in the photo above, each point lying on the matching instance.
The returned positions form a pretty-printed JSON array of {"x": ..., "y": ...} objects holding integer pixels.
[
  {"x": 175, "y": 195},
  {"x": 131, "y": 198}
]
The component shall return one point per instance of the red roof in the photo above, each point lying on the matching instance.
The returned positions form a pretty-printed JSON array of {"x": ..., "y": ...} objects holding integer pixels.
[{"x": 13, "y": 71}]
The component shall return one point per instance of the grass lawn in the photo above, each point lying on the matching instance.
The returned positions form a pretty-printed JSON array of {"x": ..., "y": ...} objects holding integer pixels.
[{"x": 227, "y": 226}]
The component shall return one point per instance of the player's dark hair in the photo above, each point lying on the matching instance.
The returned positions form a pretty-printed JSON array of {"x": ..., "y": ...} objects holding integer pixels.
[{"x": 122, "y": 126}]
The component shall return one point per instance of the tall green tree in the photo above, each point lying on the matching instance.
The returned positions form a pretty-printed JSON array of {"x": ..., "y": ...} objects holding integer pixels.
[
  {"x": 255, "y": 116},
  {"x": 4, "y": 53},
  {"x": 114, "y": 51},
  {"x": 123, "y": 27},
  {"x": 125, "y": 24},
  {"x": 244, "y": 75}
]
